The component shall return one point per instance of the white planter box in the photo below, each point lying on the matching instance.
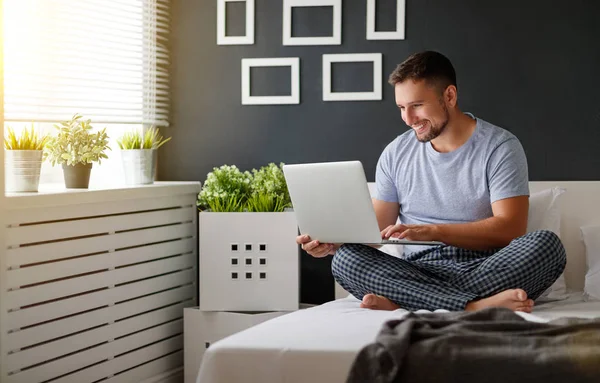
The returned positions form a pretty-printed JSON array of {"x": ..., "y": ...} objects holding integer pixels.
[
  {"x": 202, "y": 328},
  {"x": 248, "y": 262}
]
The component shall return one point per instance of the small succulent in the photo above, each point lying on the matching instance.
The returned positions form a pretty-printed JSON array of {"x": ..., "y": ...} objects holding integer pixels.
[
  {"x": 151, "y": 139},
  {"x": 28, "y": 140}
]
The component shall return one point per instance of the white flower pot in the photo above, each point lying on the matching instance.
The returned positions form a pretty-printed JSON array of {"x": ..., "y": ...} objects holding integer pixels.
[
  {"x": 139, "y": 166},
  {"x": 22, "y": 168},
  {"x": 248, "y": 262}
]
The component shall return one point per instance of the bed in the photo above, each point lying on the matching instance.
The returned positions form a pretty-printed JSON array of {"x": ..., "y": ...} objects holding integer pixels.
[{"x": 319, "y": 344}]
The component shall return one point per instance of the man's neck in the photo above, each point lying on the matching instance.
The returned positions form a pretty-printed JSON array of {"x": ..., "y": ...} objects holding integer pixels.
[{"x": 459, "y": 129}]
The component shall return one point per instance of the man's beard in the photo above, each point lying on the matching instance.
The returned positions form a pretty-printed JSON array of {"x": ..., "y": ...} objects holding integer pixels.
[{"x": 435, "y": 130}]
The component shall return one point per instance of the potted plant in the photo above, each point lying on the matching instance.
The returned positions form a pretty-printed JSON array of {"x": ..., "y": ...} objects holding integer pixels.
[
  {"x": 138, "y": 154},
  {"x": 23, "y": 157},
  {"x": 227, "y": 189},
  {"x": 247, "y": 231},
  {"x": 76, "y": 148}
]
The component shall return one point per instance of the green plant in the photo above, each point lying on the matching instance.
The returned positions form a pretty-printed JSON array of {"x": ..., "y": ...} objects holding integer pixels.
[
  {"x": 268, "y": 190},
  {"x": 151, "y": 139},
  {"x": 76, "y": 144},
  {"x": 227, "y": 189},
  {"x": 28, "y": 140}
]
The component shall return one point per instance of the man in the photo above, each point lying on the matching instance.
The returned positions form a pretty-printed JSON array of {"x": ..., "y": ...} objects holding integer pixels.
[{"x": 455, "y": 179}]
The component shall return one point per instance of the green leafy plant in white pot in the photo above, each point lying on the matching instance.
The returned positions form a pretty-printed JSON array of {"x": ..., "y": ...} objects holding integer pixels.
[
  {"x": 76, "y": 148},
  {"x": 247, "y": 241},
  {"x": 23, "y": 157},
  {"x": 139, "y": 155}
]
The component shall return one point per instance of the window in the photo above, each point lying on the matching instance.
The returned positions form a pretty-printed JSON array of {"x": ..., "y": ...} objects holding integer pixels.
[{"x": 104, "y": 59}]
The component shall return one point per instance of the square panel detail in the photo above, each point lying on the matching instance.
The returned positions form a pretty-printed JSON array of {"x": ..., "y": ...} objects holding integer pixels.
[
  {"x": 234, "y": 247},
  {"x": 222, "y": 38},
  {"x": 398, "y": 34},
  {"x": 294, "y": 98},
  {"x": 336, "y": 39},
  {"x": 248, "y": 247},
  {"x": 262, "y": 275},
  {"x": 248, "y": 274},
  {"x": 328, "y": 59},
  {"x": 262, "y": 247},
  {"x": 234, "y": 275},
  {"x": 248, "y": 262},
  {"x": 262, "y": 261},
  {"x": 234, "y": 261}
]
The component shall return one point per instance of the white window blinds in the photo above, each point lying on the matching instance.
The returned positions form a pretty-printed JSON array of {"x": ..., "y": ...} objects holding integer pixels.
[{"x": 104, "y": 59}]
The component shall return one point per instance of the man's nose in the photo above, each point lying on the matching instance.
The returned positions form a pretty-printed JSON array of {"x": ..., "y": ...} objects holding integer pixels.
[{"x": 409, "y": 117}]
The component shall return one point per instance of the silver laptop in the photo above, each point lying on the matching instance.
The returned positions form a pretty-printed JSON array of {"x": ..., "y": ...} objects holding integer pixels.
[{"x": 333, "y": 205}]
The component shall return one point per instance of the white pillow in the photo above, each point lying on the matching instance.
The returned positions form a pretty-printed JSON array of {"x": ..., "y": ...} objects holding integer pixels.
[
  {"x": 591, "y": 240},
  {"x": 544, "y": 214}
]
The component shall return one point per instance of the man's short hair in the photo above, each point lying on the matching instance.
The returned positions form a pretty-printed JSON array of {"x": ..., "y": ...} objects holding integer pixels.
[{"x": 433, "y": 67}]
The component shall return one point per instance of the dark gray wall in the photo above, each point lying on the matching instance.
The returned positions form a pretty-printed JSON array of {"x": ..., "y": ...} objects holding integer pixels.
[{"x": 528, "y": 66}]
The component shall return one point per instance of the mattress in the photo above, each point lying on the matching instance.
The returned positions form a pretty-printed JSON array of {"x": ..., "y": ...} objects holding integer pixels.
[{"x": 319, "y": 344}]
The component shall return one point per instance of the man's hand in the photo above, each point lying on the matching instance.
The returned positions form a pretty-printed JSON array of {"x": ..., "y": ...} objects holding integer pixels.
[
  {"x": 315, "y": 248},
  {"x": 411, "y": 232}
]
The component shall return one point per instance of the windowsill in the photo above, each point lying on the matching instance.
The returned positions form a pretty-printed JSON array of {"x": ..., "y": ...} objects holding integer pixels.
[{"x": 57, "y": 195}]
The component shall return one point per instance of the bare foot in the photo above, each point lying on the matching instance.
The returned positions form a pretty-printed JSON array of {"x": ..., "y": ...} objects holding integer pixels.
[
  {"x": 377, "y": 302},
  {"x": 514, "y": 299}
]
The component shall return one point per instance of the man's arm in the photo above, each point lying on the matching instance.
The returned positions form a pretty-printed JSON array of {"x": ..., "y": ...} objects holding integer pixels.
[
  {"x": 386, "y": 212},
  {"x": 509, "y": 222}
]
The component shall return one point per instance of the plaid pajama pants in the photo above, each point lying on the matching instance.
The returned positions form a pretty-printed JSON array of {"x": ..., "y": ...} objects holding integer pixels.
[{"x": 448, "y": 277}]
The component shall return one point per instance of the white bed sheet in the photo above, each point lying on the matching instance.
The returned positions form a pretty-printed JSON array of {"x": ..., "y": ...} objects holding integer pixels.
[{"x": 319, "y": 344}]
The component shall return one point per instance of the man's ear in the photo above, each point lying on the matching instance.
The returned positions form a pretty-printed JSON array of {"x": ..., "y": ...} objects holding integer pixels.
[{"x": 451, "y": 96}]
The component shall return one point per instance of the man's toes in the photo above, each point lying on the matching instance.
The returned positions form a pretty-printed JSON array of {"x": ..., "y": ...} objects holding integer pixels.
[
  {"x": 526, "y": 309},
  {"x": 369, "y": 300},
  {"x": 521, "y": 295},
  {"x": 529, "y": 303}
]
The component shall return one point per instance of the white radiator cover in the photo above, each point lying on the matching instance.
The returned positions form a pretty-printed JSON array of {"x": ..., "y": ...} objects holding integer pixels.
[{"x": 95, "y": 283}]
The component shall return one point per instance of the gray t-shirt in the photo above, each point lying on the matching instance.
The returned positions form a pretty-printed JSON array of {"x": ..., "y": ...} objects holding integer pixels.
[{"x": 454, "y": 187}]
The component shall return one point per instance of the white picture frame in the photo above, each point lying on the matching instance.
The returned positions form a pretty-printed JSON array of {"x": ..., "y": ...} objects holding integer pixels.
[
  {"x": 398, "y": 34},
  {"x": 222, "y": 38},
  {"x": 288, "y": 39},
  {"x": 293, "y": 62},
  {"x": 375, "y": 58}
]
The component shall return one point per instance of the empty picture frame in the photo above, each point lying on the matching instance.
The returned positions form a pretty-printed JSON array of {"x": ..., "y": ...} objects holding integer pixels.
[
  {"x": 294, "y": 98},
  {"x": 398, "y": 34},
  {"x": 329, "y": 59},
  {"x": 336, "y": 39},
  {"x": 222, "y": 38}
]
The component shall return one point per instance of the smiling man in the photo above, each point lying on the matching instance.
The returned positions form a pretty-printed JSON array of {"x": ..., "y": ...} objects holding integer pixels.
[{"x": 457, "y": 179}]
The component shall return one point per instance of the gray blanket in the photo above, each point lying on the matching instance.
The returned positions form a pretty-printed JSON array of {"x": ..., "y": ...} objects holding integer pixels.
[{"x": 491, "y": 345}]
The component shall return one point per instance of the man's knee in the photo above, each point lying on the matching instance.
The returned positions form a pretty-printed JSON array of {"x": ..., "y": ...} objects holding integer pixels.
[
  {"x": 549, "y": 243},
  {"x": 346, "y": 259}
]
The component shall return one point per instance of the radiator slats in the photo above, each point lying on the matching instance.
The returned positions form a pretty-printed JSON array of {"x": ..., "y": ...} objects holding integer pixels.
[
  {"x": 73, "y": 248},
  {"x": 20, "y": 216},
  {"x": 97, "y": 354},
  {"x": 124, "y": 362},
  {"x": 42, "y": 313},
  {"x": 149, "y": 370},
  {"x": 52, "y": 350},
  {"x": 82, "y": 227},
  {"x": 56, "y": 270},
  {"x": 94, "y": 284},
  {"x": 68, "y": 287},
  {"x": 51, "y": 330}
]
